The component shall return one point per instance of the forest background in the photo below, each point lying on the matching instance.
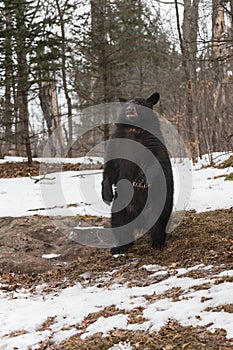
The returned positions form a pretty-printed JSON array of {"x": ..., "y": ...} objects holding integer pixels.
[{"x": 61, "y": 56}]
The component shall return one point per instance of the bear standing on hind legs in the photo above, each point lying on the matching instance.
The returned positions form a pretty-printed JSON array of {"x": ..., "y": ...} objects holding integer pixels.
[{"x": 138, "y": 176}]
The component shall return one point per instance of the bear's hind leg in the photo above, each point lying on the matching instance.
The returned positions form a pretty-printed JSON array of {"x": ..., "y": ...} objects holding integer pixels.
[
  {"x": 158, "y": 235},
  {"x": 122, "y": 233},
  {"x": 121, "y": 249}
]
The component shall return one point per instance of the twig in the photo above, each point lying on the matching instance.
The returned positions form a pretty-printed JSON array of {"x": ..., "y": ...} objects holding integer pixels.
[
  {"x": 229, "y": 137},
  {"x": 169, "y": 3},
  {"x": 41, "y": 178},
  {"x": 82, "y": 175}
]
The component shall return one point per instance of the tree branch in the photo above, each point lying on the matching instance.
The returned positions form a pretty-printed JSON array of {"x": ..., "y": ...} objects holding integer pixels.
[
  {"x": 169, "y": 3},
  {"x": 41, "y": 178}
]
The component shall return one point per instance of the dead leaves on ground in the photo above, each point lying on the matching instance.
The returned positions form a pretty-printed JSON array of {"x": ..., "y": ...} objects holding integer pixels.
[{"x": 21, "y": 169}]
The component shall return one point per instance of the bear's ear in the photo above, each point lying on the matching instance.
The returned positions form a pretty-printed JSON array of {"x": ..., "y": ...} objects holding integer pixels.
[
  {"x": 153, "y": 99},
  {"x": 122, "y": 100}
]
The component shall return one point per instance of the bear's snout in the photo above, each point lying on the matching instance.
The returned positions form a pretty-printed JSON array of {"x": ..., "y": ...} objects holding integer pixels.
[{"x": 131, "y": 111}]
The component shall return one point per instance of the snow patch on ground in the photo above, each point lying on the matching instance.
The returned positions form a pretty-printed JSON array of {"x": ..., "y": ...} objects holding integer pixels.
[
  {"x": 214, "y": 158},
  {"x": 121, "y": 346},
  {"x": 26, "y": 311},
  {"x": 79, "y": 160},
  {"x": 23, "y": 312},
  {"x": 106, "y": 324},
  {"x": 50, "y": 256},
  {"x": 74, "y": 193}
]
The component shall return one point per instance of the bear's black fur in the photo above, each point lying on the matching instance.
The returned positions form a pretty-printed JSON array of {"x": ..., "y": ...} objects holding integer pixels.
[{"x": 151, "y": 191}]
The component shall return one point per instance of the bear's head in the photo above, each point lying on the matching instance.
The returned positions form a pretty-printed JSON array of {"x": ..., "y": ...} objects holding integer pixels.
[{"x": 138, "y": 111}]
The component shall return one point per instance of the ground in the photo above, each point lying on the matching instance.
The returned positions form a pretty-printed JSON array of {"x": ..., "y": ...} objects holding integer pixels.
[
  {"x": 201, "y": 238},
  {"x": 38, "y": 263}
]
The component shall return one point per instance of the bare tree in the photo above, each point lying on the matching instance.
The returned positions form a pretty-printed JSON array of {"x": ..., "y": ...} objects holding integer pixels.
[
  {"x": 49, "y": 105},
  {"x": 220, "y": 54},
  {"x": 62, "y": 11},
  {"x": 188, "y": 45},
  {"x": 23, "y": 78}
]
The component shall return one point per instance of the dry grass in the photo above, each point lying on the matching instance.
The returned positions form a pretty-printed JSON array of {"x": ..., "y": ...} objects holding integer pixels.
[
  {"x": 170, "y": 337},
  {"x": 21, "y": 169},
  {"x": 227, "y": 163},
  {"x": 201, "y": 238}
]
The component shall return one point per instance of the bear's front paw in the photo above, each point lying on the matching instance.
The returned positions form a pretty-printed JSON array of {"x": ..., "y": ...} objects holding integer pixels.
[
  {"x": 107, "y": 192},
  {"x": 141, "y": 183}
]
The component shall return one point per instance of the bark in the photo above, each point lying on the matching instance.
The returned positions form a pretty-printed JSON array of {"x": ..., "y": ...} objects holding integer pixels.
[
  {"x": 64, "y": 76},
  {"x": 100, "y": 80},
  {"x": 22, "y": 90},
  {"x": 49, "y": 106},
  {"x": 188, "y": 45},
  {"x": 220, "y": 53},
  {"x": 7, "y": 116}
]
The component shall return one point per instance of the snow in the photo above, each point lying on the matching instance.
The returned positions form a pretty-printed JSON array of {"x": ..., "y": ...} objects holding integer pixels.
[
  {"x": 50, "y": 256},
  {"x": 105, "y": 325},
  {"x": 66, "y": 194},
  {"x": 56, "y": 160},
  {"x": 70, "y": 306},
  {"x": 217, "y": 158},
  {"x": 209, "y": 192},
  {"x": 121, "y": 346},
  {"x": 23, "y": 312},
  {"x": 79, "y": 192}
]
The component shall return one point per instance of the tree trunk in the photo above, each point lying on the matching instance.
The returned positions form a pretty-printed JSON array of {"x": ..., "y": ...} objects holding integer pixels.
[
  {"x": 188, "y": 45},
  {"x": 100, "y": 78},
  {"x": 22, "y": 98},
  {"x": 49, "y": 106},
  {"x": 220, "y": 53},
  {"x": 7, "y": 116},
  {"x": 64, "y": 77},
  {"x": 23, "y": 82}
]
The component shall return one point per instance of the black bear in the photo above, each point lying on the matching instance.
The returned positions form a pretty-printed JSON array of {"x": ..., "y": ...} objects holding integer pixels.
[{"x": 137, "y": 175}]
